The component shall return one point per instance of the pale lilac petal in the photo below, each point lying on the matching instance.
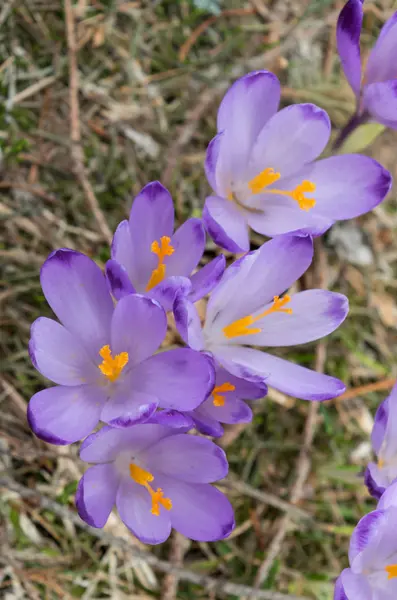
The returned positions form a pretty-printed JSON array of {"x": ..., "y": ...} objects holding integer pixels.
[
  {"x": 381, "y": 64},
  {"x": 356, "y": 586},
  {"x": 251, "y": 283},
  {"x": 244, "y": 110},
  {"x": 121, "y": 249},
  {"x": 206, "y": 278},
  {"x": 188, "y": 242},
  {"x": 96, "y": 494},
  {"x": 206, "y": 424},
  {"x": 293, "y": 137},
  {"x": 389, "y": 498},
  {"x": 173, "y": 418},
  {"x": 106, "y": 444},
  {"x": 151, "y": 217},
  {"x": 367, "y": 531},
  {"x": 226, "y": 224},
  {"x": 375, "y": 480},
  {"x": 134, "y": 505},
  {"x": 180, "y": 379},
  {"x": 199, "y": 510},
  {"x": 59, "y": 355},
  {"x": 278, "y": 215},
  {"x": 187, "y": 458},
  {"x": 388, "y": 450},
  {"x": 188, "y": 323},
  {"x": 346, "y": 186},
  {"x": 339, "y": 592},
  {"x": 233, "y": 411},
  {"x": 76, "y": 290},
  {"x": 63, "y": 415},
  {"x": 211, "y": 160},
  {"x": 288, "y": 377},
  {"x": 348, "y": 42},
  {"x": 380, "y": 99},
  {"x": 380, "y": 425},
  {"x": 315, "y": 314},
  {"x": 139, "y": 326},
  {"x": 167, "y": 290},
  {"x": 128, "y": 406},
  {"x": 118, "y": 280}
]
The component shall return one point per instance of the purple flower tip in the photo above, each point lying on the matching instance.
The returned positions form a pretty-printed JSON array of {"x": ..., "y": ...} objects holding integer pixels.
[
  {"x": 40, "y": 433},
  {"x": 152, "y": 189}
]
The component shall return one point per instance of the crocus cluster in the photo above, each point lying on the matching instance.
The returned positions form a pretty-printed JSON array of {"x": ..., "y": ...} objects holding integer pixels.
[
  {"x": 142, "y": 409},
  {"x": 374, "y": 86}
]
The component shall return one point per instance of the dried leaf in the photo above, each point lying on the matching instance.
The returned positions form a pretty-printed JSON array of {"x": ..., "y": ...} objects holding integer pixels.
[{"x": 362, "y": 137}]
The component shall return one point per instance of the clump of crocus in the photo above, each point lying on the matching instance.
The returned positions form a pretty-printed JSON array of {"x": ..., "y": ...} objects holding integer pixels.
[
  {"x": 101, "y": 356},
  {"x": 372, "y": 574},
  {"x": 375, "y": 86},
  {"x": 158, "y": 479},
  {"x": 262, "y": 167},
  {"x": 149, "y": 258},
  {"x": 380, "y": 475},
  {"x": 248, "y": 308}
]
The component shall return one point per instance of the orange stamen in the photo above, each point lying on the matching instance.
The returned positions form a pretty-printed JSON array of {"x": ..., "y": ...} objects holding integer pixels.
[
  {"x": 391, "y": 570},
  {"x": 111, "y": 366},
  {"x": 261, "y": 181},
  {"x": 259, "y": 184},
  {"x": 219, "y": 399},
  {"x": 143, "y": 478},
  {"x": 240, "y": 327},
  {"x": 161, "y": 250}
]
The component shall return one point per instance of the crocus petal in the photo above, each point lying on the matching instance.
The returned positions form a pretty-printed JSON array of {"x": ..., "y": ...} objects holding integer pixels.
[
  {"x": 355, "y": 586},
  {"x": 281, "y": 374},
  {"x": 346, "y": 186},
  {"x": 63, "y": 415},
  {"x": 96, "y": 494},
  {"x": 252, "y": 282},
  {"x": 118, "y": 280},
  {"x": 348, "y": 42},
  {"x": 121, "y": 249},
  {"x": 172, "y": 418},
  {"x": 389, "y": 498},
  {"x": 226, "y": 224},
  {"x": 388, "y": 450},
  {"x": 206, "y": 278},
  {"x": 128, "y": 406},
  {"x": 375, "y": 480},
  {"x": 188, "y": 323},
  {"x": 188, "y": 242},
  {"x": 211, "y": 159},
  {"x": 380, "y": 99},
  {"x": 315, "y": 314},
  {"x": 151, "y": 217},
  {"x": 366, "y": 532},
  {"x": 380, "y": 424},
  {"x": 180, "y": 379},
  {"x": 134, "y": 506},
  {"x": 167, "y": 290},
  {"x": 76, "y": 290},
  {"x": 244, "y": 110},
  {"x": 58, "y": 355},
  {"x": 139, "y": 326},
  {"x": 108, "y": 442},
  {"x": 339, "y": 592},
  {"x": 381, "y": 64},
  {"x": 293, "y": 137},
  {"x": 199, "y": 511},
  {"x": 206, "y": 424},
  {"x": 188, "y": 458},
  {"x": 233, "y": 411}
]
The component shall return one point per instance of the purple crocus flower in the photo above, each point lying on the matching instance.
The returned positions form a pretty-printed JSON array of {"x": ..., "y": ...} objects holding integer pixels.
[
  {"x": 379, "y": 476},
  {"x": 149, "y": 258},
  {"x": 226, "y": 404},
  {"x": 100, "y": 356},
  {"x": 246, "y": 309},
  {"x": 373, "y": 555},
  {"x": 375, "y": 88},
  {"x": 158, "y": 479},
  {"x": 263, "y": 170}
]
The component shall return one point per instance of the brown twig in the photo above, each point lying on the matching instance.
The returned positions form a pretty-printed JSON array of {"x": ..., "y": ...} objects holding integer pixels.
[
  {"x": 179, "y": 545},
  {"x": 378, "y": 386},
  {"x": 28, "y": 188},
  {"x": 220, "y": 587},
  {"x": 75, "y": 132},
  {"x": 304, "y": 461}
]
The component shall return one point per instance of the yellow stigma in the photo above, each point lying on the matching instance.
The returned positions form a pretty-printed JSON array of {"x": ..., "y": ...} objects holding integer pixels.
[
  {"x": 240, "y": 327},
  {"x": 161, "y": 250},
  {"x": 381, "y": 463},
  {"x": 219, "y": 399},
  {"x": 143, "y": 478},
  {"x": 112, "y": 367},
  {"x": 259, "y": 184},
  {"x": 391, "y": 570}
]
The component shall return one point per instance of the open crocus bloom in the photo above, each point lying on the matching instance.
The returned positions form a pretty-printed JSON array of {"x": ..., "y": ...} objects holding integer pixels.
[
  {"x": 149, "y": 258},
  {"x": 376, "y": 88},
  {"x": 262, "y": 170},
  {"x": 158, "y": 479},
  {"x": 247, "y": 309},
  {"x": 380, "y": 475},
  {"x": 101, "y": 359},
  {"x": 373, "y": 555},
  {"x": 226, "y": 404}
]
